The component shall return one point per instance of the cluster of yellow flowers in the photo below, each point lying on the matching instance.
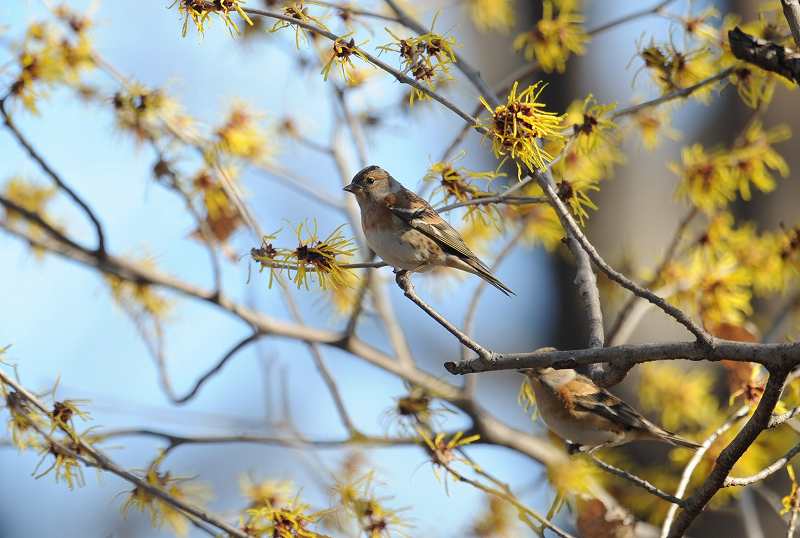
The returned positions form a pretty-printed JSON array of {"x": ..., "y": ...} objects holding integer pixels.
[
  {"x": 426, "y": 58},
  {"x": 711, "y": 180},
  {"x": 558, "y": 34},
  {"x": 200, "y": 11},
  {"x": 48, "y": 56},
  {"x": 312, "y": 256}
]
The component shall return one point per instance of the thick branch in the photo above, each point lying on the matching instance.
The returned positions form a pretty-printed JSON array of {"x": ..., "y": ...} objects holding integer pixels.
[
  {"x": 732, "y": 453},
  {"x": 765, "y": 54},
  {"x": 572, "y": 228},
  {"x": 791, "y": 10},
  {"x": 771, "y": 355}
]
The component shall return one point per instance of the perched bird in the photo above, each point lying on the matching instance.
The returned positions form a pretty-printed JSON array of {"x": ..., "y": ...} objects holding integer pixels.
[
  {"x": 580, "y": 412},
  {"x": 406, "y": 232}
]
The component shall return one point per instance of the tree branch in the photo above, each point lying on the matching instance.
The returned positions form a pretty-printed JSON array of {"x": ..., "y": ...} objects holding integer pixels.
[
  {"x": 765, "y": 54},
  {"x": 732, "y": 453},
  {"x": 783, "y": 355},
  {"x": 403, "y": 279},
  {"x": 22, "y": 141},
  {"x": 98, "y": 459},
  {"x": 637, "y": 481}
]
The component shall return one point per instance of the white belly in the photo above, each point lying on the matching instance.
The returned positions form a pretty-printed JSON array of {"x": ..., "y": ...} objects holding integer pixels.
[{"x": 396, "y": 250}]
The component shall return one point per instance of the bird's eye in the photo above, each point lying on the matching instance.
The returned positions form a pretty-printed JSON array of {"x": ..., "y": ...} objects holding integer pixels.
[{"x": 370, "y": 180}]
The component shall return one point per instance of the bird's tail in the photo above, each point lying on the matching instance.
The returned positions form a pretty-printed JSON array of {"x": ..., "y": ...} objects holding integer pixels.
[
  {"x": 482, "y": 271},
  {"x": 677, "y": 440}
]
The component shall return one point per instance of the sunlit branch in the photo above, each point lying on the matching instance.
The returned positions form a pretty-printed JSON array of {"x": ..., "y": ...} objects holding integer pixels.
[
  {"x": 765, "y": 473},
  {"x": 572, "y": 228},
  {"x": 404, "y": 281}
]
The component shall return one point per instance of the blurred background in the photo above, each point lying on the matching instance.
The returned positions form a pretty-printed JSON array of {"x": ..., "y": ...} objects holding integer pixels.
[{"x": 63, "y": 324}]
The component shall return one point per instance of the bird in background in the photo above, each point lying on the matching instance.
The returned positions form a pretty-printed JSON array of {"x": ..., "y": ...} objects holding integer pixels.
[
  {"x": 407, "y": 233},
  {"x": 589, "y": 417}
]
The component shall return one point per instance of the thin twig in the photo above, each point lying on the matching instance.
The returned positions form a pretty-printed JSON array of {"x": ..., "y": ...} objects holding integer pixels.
[
  {"x": 26, "y": 145},
  {"x": 572, "y": 228},
  {"x": 791, "y": 10},
  {"x": 470, "y": 384},
  {"x": 666, "y": 259},
  {"x": 695, "y": 460},
  {"x": 403, "y": 279},
  {"x": 637, "y": 481},
  {"x": 764, "y": 473}
]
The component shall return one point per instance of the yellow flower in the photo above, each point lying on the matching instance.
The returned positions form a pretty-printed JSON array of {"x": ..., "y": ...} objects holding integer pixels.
[
  {"x": 298, "y": 11},
  {"x": 374, "y": 518},
  {"x": 341, "y": 53},
  {"x": 319, "y": 257},
  {"x": 426, "y": 58},
  {"x": 706, "y": 178},
  {"x": 199, "y": 12},
  {"x": 555, "y": 36},
  {"x": 457, "y": 184},
  {"x": 672, "y": 69},
  {"x": 241, "y": 136},
  {"x": 652, "y": 123},
  {"x": 47, "y": 58},
  {"x": 497, "y": 15},
  {"x": 518, "y": 127},
  {"x": 753, "y": 158},
  {"x": 161, "y": 512}
]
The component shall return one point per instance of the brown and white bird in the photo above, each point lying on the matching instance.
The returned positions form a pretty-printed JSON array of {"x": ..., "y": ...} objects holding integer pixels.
[
  {"x": 406, "y": 232},
  {"x": 580, "y": 412}
]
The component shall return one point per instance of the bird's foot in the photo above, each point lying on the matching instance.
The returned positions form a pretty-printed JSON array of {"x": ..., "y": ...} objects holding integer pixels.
[{"x": 403, "y": 279}]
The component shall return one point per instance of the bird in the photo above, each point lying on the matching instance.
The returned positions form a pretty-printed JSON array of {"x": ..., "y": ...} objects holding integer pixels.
[
  {"x": 587, "y": 416},
  {"x": 407, "y": 233}
]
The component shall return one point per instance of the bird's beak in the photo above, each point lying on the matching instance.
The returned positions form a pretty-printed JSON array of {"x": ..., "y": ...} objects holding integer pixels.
[{"x": 351, "y": 188}]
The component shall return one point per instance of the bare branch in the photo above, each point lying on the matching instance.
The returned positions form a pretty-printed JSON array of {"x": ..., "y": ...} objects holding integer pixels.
[
  {"x": 767, "y": 471},
  {"x": 637, "y": 481},
  {"x": 772, "y": 355},
  {"x": 26, "y": 145},
  {"x": 572, "y": 228},
  {"x": 404, "y": 281}
]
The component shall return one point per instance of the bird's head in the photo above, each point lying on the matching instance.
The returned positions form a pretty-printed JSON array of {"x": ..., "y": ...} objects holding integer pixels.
[{"x": 372, "y": 183}]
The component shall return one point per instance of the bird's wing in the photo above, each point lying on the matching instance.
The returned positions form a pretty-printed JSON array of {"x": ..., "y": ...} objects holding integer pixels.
[
  {"x": 588, "y": 397},
  {"x": 419, "y": 214}
]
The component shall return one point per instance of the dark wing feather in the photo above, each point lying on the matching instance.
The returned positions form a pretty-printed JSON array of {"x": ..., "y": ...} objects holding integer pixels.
[
  {"x": 609, "y": 406},
  {"x": 419, "y": 214}
]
